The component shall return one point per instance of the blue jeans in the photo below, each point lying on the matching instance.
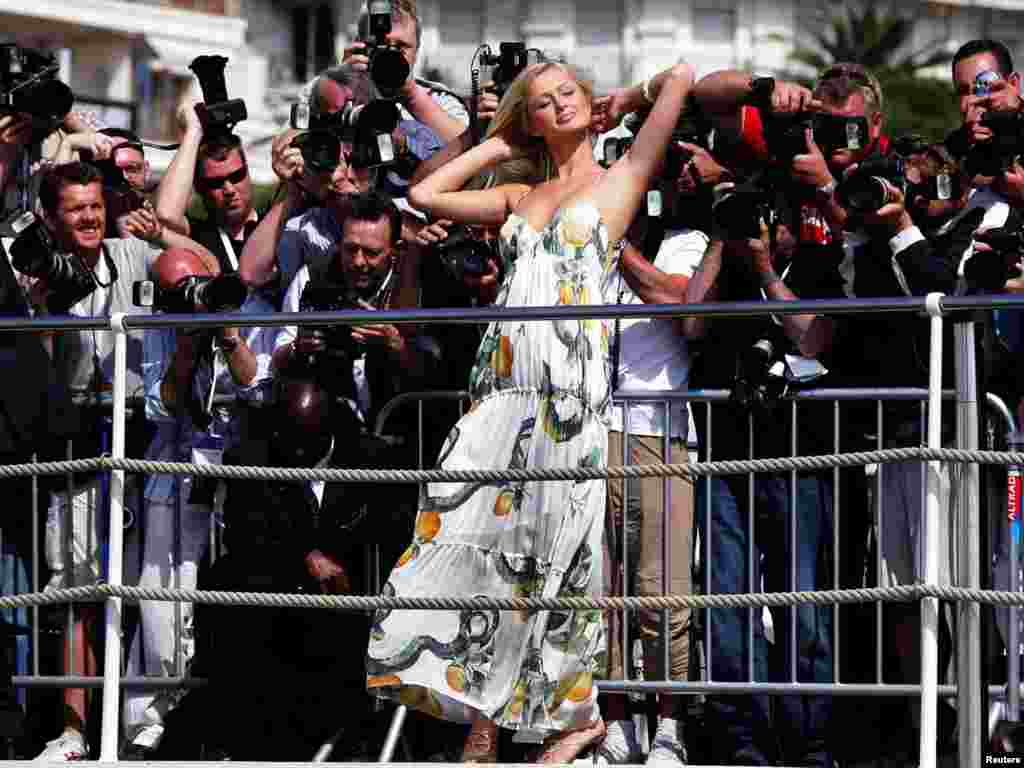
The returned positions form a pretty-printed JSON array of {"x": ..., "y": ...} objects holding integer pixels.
[{"x": 744, "y": 728}]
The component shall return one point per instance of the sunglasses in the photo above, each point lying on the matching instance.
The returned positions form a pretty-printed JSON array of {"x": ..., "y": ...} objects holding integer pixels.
[{"x": 237, "y": 177}]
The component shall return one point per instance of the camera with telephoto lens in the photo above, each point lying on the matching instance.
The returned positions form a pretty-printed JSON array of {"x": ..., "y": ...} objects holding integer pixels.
[
  {"x": 754, "y": 387},
  {"x": 988, "y": 271},
  {"x": 388, "y": 67},
  {"x": 332, "y": 367},
  {"x": 464, "y": 252},
  {"x": 868, "y": 188},
  {"x": 368, "y": 127},
  {"x": 509, "y": 62},
  {"x": 194, "y": 294},
  {"x": 29, "y": 85},
  {"x": 33, "y": 253},
  {"x": 218, "y": 114}
]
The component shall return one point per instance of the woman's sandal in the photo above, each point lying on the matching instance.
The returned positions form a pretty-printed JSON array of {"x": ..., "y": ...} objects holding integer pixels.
[
  {"x": 566, "y": 746},
  {"x": 481, "y": 744}
]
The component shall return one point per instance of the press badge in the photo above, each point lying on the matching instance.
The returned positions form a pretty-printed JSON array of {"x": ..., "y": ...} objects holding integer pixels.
[
  {"x": 386, "y": 148},
  {"x": 852, "y": 135},
  {"x": 209, "y": 450},
  {"x": 943, "y": 187},
  {"x": 654, "y": 203}
]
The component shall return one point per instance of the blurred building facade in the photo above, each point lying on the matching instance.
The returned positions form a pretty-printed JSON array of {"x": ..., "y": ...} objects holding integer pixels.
[{"x": 128, "y": 60}]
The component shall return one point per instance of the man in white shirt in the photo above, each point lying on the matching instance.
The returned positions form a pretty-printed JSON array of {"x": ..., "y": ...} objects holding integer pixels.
[{"x": 651, "y": 355}]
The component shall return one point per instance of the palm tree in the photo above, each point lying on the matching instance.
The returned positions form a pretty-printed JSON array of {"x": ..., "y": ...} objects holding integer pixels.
[
  {"x": 873, "y": 36},
  {"x": 877, "y": 37}
]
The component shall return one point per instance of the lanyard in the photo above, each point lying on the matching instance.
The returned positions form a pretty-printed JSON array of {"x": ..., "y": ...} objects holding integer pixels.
[{"x": 229, "y": 249}]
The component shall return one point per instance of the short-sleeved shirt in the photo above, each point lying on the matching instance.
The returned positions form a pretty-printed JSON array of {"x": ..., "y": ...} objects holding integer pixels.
[
  {"x": 86, "y": 358},
  {"x": 652, "y": 355},
  {"x": 307, "y": 240}
]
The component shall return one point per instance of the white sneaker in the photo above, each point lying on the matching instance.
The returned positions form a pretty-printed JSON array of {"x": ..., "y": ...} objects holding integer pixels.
[
  {"x": 668, "y": 747},
  {"x": 70, "y": 745},
  {"x": 620, "y": 745}
]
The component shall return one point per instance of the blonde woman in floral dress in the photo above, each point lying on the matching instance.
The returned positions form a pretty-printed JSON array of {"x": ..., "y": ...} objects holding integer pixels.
[{"x": 540, "y": 397}]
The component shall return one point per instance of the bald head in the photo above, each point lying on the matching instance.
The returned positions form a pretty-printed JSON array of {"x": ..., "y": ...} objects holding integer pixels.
[
  {"x": 303, "y": 435},
  {"x": 175, "y": 264}
]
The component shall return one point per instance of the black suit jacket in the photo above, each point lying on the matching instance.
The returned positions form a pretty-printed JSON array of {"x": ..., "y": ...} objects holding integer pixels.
[{"x": 35, "y": 405}]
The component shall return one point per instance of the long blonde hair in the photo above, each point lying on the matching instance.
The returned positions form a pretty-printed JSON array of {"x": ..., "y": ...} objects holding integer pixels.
[{"x": 513, "y": 114}]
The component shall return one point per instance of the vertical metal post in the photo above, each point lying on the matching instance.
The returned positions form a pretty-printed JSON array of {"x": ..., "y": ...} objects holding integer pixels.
[
  {"x": 752, "y": 586},
  {"x": 879, "y": 539},
  {"x": 706, "y": 561},
  {"x": 968, "y": 613},
  {"x": 112, "y": 646},
  {"x": 930, "y": 605},
  {"x": 836, "y": 518},
  {"x": 69, "y": 557},
  {"x": 1013, "y": 513},
  {"x": 666, "y": 543},
  {"x": 35, "y": 568},
  {"x": 793, "y": 677},
  {"x": 626, "y": 461}
]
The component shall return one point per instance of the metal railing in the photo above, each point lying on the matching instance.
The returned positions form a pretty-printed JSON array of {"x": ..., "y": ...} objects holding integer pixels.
[{"x": 935, "y": 306}]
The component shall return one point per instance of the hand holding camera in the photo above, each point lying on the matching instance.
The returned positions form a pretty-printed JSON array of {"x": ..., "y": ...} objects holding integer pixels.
[
  {"x": 188, "y": 119},
  {"x": 377, "y": 334},
  {"x": 487, "y": 105},
  {"x": 143, "y": 224},
  {"x": 889, "y": 219},
  {"x": 433, "y": 233},
  {"x": 811, "y": 168},
  {"x": 286, "y": 158}
]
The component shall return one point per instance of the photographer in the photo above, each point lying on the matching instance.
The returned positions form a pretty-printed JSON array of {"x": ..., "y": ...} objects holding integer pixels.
[
  {"x": 654, "y": 266},
  {"x": 432, "y": 104},
  {"x": 184, "y": 371},
  {"x": 216, "y": 168},
  {"x": 363, "y": 273},
  {"x": 739, "y": 354},
  {"x": 289, "y": 537}
]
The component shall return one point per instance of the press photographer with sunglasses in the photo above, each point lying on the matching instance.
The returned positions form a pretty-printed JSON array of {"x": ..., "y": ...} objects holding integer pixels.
[{"x": 216, "y": 168}]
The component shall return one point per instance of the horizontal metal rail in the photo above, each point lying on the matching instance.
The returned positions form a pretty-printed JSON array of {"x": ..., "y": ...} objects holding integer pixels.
[{"x": 489, "y": 314}]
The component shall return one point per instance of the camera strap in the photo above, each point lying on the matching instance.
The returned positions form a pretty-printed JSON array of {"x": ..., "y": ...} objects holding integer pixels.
[{"x": 229, "y": 248}]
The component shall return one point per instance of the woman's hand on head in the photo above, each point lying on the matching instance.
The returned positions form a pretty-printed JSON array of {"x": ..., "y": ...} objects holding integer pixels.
[{"x": 684, "y": 74}]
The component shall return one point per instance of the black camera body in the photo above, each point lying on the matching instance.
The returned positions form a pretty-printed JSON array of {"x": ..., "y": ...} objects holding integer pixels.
[
  {"x": 987, "y": 272},
  {"x": 464, "y": 253},
  {"x": 368, "y": 127},
  {"x": 332, "y": 367},
  {"x": 509, "y": 62},
  {"x": 29, "y": 85},
  {"x": 218, "y": 114},
  {"x": 192, "y": 295},
  {"x": 867, "y": 188},
  {"x": 34, "y": 253},
  {"x": 996, "y": 155},
  {"x": 754, "y": 387},
  {"x": 388, "y": 68},
  {"x": 738, "y": 210}
]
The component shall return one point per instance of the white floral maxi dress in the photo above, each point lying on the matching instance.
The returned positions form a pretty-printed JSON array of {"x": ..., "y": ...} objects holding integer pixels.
[{"x": 540, "y": 397}]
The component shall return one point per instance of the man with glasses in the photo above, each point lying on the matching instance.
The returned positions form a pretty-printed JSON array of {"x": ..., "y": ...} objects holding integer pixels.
[{"x": 216, "y": 168}]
